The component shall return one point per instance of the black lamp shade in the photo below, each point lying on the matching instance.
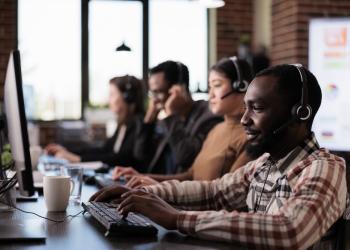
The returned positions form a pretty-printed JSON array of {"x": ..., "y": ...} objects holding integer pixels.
[{"x": 123, "y": 47}]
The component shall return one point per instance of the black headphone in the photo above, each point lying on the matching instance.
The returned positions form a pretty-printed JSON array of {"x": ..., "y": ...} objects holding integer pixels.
[
  {"x": 240, "y": 85},
  {"x": 128, "y": 94},
  {"x": 301, "y": 111}
]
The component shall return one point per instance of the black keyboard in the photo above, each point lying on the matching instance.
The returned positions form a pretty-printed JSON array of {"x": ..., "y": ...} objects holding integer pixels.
[{"x": 107, "y": 215}]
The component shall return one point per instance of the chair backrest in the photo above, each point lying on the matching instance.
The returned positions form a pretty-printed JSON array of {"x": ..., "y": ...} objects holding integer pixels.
[{"x": 340, "y": 234}]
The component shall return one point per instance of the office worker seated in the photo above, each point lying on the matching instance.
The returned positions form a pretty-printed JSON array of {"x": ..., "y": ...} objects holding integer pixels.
[
  {"x": 171, "y": 144},
  {"x": 224, "y": 148},
  {"x": 126, "y": 100},
  {"x": 294, "y": 191}
]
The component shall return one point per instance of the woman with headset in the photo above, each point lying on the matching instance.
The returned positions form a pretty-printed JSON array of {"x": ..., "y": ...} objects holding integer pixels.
[
  {"x": 224, "y": 148},
  {"x": 126, "y": 100}
]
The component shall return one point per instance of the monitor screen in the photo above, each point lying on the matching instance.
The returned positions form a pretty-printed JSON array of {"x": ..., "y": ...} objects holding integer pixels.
[
  {"x": 17, "y": 124},
  {"x": 329, "y": 60}
]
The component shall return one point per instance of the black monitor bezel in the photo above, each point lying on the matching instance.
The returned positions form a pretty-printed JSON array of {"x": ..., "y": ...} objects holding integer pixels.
[{"x": 26, "y": 175}]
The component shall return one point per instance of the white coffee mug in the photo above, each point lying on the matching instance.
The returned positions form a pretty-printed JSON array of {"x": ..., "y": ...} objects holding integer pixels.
[{"x": 56, "y": 192}]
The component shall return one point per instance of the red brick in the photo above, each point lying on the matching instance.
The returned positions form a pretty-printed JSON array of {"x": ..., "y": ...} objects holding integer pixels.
[{"x": 293, "y": 16}]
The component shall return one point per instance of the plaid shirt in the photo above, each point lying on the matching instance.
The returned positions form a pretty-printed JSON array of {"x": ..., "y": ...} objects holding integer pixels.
[{"x": 303, "y": 196}]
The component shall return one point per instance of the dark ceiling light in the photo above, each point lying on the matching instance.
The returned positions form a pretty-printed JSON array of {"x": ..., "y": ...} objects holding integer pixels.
[{"x": 123, "y": 47}]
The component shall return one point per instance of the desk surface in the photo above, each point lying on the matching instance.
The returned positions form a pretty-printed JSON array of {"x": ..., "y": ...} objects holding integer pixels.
[{"x": 83, "y": 232}]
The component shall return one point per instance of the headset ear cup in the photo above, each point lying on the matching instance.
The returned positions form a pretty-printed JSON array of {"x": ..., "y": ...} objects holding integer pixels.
[
  {"x": 243, "y": 86},
  {"x": 240, "y": 86},
  {"x": 126, "y": 97},
  {"x": 294, "y": 111},
  {"x": 235, "y": 85},
  {"x": 302, "y": 113}
]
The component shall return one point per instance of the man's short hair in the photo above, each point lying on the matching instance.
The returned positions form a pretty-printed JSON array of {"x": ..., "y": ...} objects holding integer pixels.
[
  {"x": 174, "y": 72},
  {"x": 290, "y": 85}
]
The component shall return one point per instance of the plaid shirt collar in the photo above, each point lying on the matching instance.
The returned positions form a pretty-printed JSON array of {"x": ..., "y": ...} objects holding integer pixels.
[
  {"x": 304, "y": 149},
  {"x": 270, "y": 178}
]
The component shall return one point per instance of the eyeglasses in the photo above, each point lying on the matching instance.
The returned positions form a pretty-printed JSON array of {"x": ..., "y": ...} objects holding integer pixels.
[{"x": 158, "y": 95}]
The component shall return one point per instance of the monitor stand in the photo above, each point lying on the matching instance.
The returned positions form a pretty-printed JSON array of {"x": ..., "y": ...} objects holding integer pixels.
[{"x": 21, "y": 198}]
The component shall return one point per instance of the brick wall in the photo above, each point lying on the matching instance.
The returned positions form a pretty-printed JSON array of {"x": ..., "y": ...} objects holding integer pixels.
[
  {"x": 233, "y": 20},
  {"x": 8, "y": 35},
  {"x": 290, "y": 26}
]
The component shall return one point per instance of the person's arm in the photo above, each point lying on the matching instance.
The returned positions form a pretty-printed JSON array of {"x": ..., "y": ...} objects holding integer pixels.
[
  {"x": 185, "y": 176},
  {"x": 144, "y": 147},
  {"x": 112, "y": 159},
  {"x": 185, "y": 145},
  {"x": 318, "y": 201},
  {"x": 124, "y": 157},
  {"x": 230, "y": 190}
]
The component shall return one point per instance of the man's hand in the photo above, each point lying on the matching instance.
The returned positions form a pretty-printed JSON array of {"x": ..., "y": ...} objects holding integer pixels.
[
  {"x": 151, "y": 206},
  {"x": 53, "y": 148},
  {"x": 61, "y": 152},
  {"x": 109, "y": 193},
  {"x": 126, "y": 172},
  {"x": 154, "y": 106},
  {"x": 140, "y": 181},
  {"x": 178, "y": 100}
]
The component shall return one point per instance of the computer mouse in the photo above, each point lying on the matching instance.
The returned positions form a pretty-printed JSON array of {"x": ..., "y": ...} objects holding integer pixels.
[
  {"x": 102, "y": 170},
  {"x": 90, "y": 180}
]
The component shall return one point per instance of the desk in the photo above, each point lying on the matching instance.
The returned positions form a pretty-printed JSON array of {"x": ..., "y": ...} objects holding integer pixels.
[{"x": 83, "y": 232}]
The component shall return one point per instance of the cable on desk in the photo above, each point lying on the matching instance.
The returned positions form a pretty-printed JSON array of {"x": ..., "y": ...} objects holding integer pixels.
[
  {"x": 8, "y": 184},
  {"x": 43, "y": 217}
]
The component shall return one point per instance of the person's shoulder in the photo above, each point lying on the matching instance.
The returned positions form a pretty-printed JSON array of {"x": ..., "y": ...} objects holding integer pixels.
[
  {"x": 239, "y": 134},
  {"x": 202, "y": 106},
  {"x": 201, "y": 103},
  {"x": 219, "y": 126},
  {"x": 202, "y": 113},
  {"x": 217, "y": 130},
  {"x": 322, "y": 158},
  {"x": 324, "y": 154}
]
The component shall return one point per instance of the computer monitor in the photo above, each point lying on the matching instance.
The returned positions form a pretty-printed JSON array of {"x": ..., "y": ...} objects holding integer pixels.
[{"x": 17, "y": 124}]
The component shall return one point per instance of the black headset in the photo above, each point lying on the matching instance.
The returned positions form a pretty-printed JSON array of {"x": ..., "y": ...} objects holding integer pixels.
[
  {"x": 240, "y": 85},
  {"x": 302, "y": 111},
  {"x": 128, "y": 93}
]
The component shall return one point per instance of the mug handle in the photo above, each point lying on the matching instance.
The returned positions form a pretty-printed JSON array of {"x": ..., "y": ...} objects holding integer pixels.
[{"x": 71, "y": 186}]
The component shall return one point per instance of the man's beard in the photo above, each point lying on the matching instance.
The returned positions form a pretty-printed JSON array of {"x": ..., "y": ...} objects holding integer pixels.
[{"x": 265, "y": 144}]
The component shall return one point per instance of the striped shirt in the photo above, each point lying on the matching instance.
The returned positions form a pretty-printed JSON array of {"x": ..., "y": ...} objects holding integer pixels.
[{"x": 304, "y": 194}]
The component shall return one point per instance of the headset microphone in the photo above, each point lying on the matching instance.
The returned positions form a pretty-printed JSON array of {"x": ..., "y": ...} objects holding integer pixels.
[
  {"x": 283, "y": 126},
  {"x": 228, "y": 94}
]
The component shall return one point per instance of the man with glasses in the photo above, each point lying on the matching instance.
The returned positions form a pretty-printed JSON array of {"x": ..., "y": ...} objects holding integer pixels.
[{"x": 174, "y": 126}]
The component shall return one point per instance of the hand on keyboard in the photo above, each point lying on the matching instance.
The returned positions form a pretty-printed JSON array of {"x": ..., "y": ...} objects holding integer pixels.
[
  {"x": 125, "y": 172},
  {"x": 109, "y": 193},
  {"x": 151, "y": 206},
  {"x": 140, "y": 181}
]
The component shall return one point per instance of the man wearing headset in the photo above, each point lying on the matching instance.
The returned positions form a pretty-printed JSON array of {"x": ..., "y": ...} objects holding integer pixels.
[
  {"x": 170, "y": 144},
  {"x": 288, "y": 198}
]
